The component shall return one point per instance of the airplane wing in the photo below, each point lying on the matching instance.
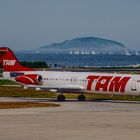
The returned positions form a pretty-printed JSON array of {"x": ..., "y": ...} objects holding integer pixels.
[{"x": 66, "y": 88}]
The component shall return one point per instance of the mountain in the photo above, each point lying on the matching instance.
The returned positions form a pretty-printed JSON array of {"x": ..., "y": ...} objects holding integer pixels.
[{"x": 86, "y": 45}]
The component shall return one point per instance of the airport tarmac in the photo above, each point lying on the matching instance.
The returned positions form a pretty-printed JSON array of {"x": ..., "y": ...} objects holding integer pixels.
[{"x": 73, "y": 120}]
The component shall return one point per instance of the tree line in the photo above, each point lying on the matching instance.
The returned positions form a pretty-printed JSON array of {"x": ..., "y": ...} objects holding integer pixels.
[{"x": 35, "y": 64}]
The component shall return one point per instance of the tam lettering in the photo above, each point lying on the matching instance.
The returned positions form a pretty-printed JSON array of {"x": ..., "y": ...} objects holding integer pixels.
[
  {"x": 108, "y": 83},
  {"x": 9, "y": 62}
]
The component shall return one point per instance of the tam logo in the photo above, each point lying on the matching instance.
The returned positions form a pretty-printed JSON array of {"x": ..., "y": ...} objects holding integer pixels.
[
  {"x": 107, "y": 83},
  {"x": 9, "y": 62}
]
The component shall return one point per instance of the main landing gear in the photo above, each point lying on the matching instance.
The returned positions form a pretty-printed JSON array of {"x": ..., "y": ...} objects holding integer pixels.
[
  {"x": 81, "y": 97},
  {"x": 61, "y": 97}
]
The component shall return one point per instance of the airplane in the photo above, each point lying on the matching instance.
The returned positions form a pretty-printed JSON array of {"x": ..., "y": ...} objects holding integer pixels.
[{"x": 68, "y": 81}]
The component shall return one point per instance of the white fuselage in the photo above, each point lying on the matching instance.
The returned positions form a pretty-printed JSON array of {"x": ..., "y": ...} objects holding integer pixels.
[{"x": 108, "y": 83}]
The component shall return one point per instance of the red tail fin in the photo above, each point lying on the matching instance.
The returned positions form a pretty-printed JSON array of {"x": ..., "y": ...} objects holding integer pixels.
[{"x": 10, "y": 62}]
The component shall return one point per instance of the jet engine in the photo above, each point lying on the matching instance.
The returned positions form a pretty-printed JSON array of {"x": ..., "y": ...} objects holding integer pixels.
[{"x": 30, "y": 79}]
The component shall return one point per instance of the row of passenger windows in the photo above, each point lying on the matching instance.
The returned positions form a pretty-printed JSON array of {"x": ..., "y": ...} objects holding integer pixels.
[{"x": 59, "y": 79}]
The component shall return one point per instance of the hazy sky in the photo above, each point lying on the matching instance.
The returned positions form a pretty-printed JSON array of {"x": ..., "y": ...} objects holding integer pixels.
[{"x": 30, "y": 24}]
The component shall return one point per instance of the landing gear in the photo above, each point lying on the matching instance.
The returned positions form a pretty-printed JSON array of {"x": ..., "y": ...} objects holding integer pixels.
[
  {"x": 61, "y": 97},
  {"x": 81, "y": 97}
]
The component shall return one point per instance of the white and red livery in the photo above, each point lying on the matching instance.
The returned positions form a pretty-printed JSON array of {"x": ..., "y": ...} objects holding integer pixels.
[{"x": 66, "y": 81}]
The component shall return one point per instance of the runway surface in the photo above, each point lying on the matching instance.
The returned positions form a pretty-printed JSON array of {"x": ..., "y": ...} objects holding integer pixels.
[{"x": 90, "y": 120}]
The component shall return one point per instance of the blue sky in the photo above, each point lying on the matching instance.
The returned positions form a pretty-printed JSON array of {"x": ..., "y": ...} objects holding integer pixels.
[{"x": 30, "y": 24}]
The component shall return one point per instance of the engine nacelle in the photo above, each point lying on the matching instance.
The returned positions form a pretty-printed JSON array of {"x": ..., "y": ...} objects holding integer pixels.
[{"x": 30, "y": 79}]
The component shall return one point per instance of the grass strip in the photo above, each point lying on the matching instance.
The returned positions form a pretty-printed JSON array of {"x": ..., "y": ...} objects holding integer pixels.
[
  {"x": 31, "y": 93},
  {"x": 7, "y": 82},
  {"x": 13, "y": 105}
]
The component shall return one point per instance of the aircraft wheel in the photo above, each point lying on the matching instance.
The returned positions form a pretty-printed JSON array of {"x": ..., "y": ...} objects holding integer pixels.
[
  {"x": 60, "y": 98},
  {"x": 81, "y": 97}
]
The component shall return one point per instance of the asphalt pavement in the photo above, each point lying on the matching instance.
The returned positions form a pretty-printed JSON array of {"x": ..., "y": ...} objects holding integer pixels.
[{"x": 73, "y": 120}]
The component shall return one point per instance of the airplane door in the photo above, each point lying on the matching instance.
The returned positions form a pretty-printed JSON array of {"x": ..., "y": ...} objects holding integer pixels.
[{"x": 133, "y": 86}]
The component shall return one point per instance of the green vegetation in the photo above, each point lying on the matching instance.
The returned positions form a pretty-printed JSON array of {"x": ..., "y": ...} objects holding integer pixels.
[
  {"x": 105, "y": 97},
  {"x": 7, "y": 82},
  {"x": 35, "y": 64},
  {"x": 20, "y": 92},
  {"x": 31, "y": 93}
]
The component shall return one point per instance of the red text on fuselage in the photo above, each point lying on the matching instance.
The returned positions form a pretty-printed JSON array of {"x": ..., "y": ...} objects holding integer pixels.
[{"x": 107, "y": 83}]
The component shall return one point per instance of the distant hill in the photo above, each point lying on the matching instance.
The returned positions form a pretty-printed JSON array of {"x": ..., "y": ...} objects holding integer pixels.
[{"x": 85, "y": 46}]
